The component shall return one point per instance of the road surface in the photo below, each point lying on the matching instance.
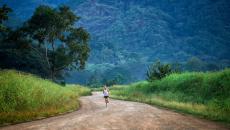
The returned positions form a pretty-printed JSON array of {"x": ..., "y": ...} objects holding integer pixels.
[{"x": 119, "y": 115}]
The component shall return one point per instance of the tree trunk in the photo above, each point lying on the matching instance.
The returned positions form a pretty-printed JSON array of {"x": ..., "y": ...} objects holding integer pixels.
[
  {"x": 53, "y": 62},
  {"x": 47, "y": 58}
]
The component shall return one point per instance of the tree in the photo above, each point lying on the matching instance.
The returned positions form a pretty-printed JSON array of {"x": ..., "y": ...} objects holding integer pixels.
[
  {"x": 15, "y": 49},
  {"x": 176, "y": 67},
  {"x": 94, "y": 80},
  {"x": 116, "y": 79},
  {"x": 4, "y": 10},
  {"x": 158, "y": 71},
  {"x": 66, "y": 46}
]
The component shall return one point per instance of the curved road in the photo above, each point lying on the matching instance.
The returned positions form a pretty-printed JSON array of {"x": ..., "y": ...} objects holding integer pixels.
[{"x": 120, "y": 115}]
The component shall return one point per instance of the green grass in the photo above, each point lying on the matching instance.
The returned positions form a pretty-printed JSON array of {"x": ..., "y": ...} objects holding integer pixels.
[
  {"x": 25, "y": 97},
  {"x": 203, "y": 94}
]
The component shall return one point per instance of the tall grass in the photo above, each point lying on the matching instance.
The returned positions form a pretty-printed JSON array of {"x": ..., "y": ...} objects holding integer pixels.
[
  {"x": 25, "y": 97},
  {"x": 203, "y": 94}
]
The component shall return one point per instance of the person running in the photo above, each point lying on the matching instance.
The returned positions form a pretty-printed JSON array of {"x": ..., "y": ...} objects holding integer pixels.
[{"x": 106, "y": 94}]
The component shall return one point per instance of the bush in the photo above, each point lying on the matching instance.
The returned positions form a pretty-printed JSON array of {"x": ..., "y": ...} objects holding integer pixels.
[{"x": 158, "y": 71}]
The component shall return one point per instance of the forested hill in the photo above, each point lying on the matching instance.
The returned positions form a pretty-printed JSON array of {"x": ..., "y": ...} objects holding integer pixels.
[
  {"x": 127, "y": 35},
  {"x": 126, "y": 31}
]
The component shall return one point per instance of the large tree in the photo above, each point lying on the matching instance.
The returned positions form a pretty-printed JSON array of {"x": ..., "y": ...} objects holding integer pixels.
[
  {"x": 66, "y": 46},
  {"x": 16, "y": 51}
]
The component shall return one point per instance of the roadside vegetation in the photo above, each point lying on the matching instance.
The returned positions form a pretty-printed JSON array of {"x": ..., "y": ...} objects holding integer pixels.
[
  {"x": 25, "y": 97},
  {"x": 203, "y": 94}
]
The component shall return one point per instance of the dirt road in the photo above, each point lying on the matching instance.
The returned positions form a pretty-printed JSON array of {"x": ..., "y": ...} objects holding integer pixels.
[{"x": 120, "y": 115}]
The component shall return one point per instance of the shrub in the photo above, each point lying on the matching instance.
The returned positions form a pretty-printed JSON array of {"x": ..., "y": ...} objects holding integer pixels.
[{"x": 158, "y": 71}]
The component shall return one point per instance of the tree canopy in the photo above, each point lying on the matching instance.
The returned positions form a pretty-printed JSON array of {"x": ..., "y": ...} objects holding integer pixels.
[{"x": 51, "y": 38}]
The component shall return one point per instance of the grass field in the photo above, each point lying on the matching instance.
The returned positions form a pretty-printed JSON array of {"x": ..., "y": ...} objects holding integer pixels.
[
  {"x": 203, "y": 94},
  {"x": 25, "y": 97}
]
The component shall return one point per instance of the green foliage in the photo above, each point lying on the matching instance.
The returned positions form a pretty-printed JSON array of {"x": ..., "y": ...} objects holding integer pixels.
[
  {"x": 24, "y": 97},
  {"x": 94, "y": 80},
  {"x": 203, "y": 94},
  {"x": 46, "y": 44},
  {"x": 17, "y": 52},
  {"x": 105, "y": 74},
  {"x": 127, "y": 33},
  {"x": 197, "y": 87},
  {"x": 195, "y": 64},
  {"x": 47, "y": 26},
  {"x": 4, "y": 10},
  {"x": 156, "y": 30},
  {"x": 130, "y": 32},
  {"x": 158, "y": 71}
]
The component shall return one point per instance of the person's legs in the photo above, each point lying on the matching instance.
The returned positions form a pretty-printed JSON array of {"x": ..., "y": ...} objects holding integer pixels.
[{"x": 106, "y": 101}]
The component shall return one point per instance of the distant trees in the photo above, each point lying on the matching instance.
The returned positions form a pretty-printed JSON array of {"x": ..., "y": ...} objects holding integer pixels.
[
  {"x": 94, "y": 80},
  {"x": 117, "y": 79},
  {"x": 98, "y": 79},
  {"x": 158, "y": 70},
  {"x": 49, "y": 39},
  {"x": 195, "y": 64}
]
